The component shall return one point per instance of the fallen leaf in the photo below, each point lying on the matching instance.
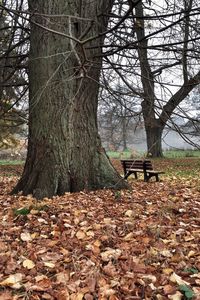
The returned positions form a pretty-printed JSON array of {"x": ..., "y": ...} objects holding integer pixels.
[
  {"x": 6, "y": 295},
  {"x": 166, "y": 253},
  {"x": 29, "y": 264},
  {"x": 167, "y": 271},
  {"x": 62, "y": 294},
  {"x": 14, "y": 281},
  {"x": 49, "y": 264},
  {"x": 129, "y": 213},
  {"x": 149, "y": 277},
  {"x": 107, "y": 221},
  {"x": 128, "y": 237},
  {"x": 62, "y": 277},
  {"x": 177, "y": 296},
  {"x": 80, "y": 235},
  {"x": 106, "y": 291},
  {"x": 191, "y": 253},
  {"x": 79, "y": 296},
  {"x": 111, "y": 254},
  {"x": 40, "y": 277},
  {"x": 91, "y": 284},
  {"x": 110, "y": 269},
  {"x": 169, "y": 289},
  {"x": 26, "y": 237},
  {"x": 177, "y": 279}
]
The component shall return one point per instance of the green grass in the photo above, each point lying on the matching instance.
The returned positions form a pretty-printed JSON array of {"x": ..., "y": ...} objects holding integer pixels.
[
  {"x": 181, "y": 153},
  {"x": 11, "y": 162},
  {"x": 124, "y": 154},
  {"x": 167, "y": 154}
]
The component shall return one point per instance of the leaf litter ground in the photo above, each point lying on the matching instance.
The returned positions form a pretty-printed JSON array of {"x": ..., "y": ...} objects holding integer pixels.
[{"x": 142, "y": 243}]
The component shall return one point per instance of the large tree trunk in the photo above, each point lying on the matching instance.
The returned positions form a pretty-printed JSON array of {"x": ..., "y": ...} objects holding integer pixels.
[{"x": 64, "y": 149}]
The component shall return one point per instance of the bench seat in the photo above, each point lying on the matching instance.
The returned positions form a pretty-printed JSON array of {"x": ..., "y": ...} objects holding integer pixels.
[{"x": 134, "y": 166}]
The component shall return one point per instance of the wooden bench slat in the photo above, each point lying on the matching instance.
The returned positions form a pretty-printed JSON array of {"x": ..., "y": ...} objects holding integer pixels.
[{"x": 132, "y": 166}]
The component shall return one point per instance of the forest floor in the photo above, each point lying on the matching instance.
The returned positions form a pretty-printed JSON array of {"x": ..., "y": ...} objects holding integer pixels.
[{"x": 142, "y": 243}]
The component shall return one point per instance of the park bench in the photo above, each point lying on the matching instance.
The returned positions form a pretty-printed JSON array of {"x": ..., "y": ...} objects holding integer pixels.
[{"x": 134, "y": 166}]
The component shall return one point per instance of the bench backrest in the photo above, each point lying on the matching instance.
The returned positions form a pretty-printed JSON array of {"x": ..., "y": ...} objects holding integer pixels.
[{"x": 136, "y": 164}]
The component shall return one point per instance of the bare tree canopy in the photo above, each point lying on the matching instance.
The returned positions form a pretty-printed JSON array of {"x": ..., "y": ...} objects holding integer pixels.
[{"x": 154, "y": 56}]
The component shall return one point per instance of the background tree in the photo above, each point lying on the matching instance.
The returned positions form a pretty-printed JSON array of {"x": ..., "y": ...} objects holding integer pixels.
[
  {"x": 13, "y": 67},
  {"x": 159, "y": 47},
  {"x": 118, "y": 116}
]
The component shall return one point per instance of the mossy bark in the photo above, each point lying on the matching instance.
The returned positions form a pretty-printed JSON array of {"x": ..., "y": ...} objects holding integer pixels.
[{"x": 64, "y": 148}]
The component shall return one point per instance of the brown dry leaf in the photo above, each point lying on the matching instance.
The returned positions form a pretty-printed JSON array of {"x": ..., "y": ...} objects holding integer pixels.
[
  {"x": 129, "y": 213},
  {"x": 113, "y": 297},
  {"x": 80, "y": 235},
  {"x": 13, "y": 281},
  {"x": 91, "y": 283},
  {"x": 111, "y": 254},
  {"x": 29, "y": 264},
  {"x": 65, "y": 252},
  {"x": 189, "y": 238},
  {"x": 6, "y": 295},
  {"x": 62, "y": 277},
  {"x": 3, "y": 246},
  {"x": 139, "y": 268},
  {"x": 62, "y": 294},
  {"x": 128, "y": 237},
  {"x": 88, "y": 297},
  {"x": 106, "y": 291},
  {"x": 107, "y": 221},
  {"x": 91, "y": 235},
  {"x": 169, "y": 289},
  {"x": 49, "y": 264},
  {"x": 110, "y": 269},
  {"x": 78, "y": 296},
  {"x": 192, "y": 253},
  {"x": 168, "y": 271},
  {"x": 43, "y": 285},
  {"x": 177, "y": 279},
  {"x": 146, "y": 240},
  {"x": 177, "y": 296},
  {"x": 26, "y": 237},
  {"x": 97, "y": 226},
  {"x": 40, "y": 277},
  {"x": 149, "y": 277},
  {"x": 97, "y": 243},
  {"x": 166, "y": 253}
]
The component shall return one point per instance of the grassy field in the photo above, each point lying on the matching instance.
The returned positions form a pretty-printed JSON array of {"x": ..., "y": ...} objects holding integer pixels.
[
  {"x": 183, "y": 164},
  {"x": 167, "y": 154},
  {"x": 11, "y": 162}
]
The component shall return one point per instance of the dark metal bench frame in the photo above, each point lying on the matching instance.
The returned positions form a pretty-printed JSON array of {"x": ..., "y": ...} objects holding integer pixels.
[{"x": 134, "y": 166}]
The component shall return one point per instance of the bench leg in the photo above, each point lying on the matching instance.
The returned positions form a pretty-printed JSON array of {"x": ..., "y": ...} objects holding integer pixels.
[
  {"x": 135, "y": 173},
  {"x": 152, "y": 175},
  {"x": 146, "y": 177},
  {"x": 126, "y": 175}
]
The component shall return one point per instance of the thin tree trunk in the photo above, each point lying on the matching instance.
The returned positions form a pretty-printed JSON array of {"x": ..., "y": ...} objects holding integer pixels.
[
  {"x": 152, "y": 125},
  {"x": 64, "y": 149},
  {"x": 124, "y": 133},
  {"x": 154, "y": 140}
]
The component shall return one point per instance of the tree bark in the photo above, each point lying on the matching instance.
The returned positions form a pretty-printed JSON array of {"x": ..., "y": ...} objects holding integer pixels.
[
  {"x": 64, "y": 148},
  {"x": 154, "y": 140},
  {"x": 152, "y": 125}
]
